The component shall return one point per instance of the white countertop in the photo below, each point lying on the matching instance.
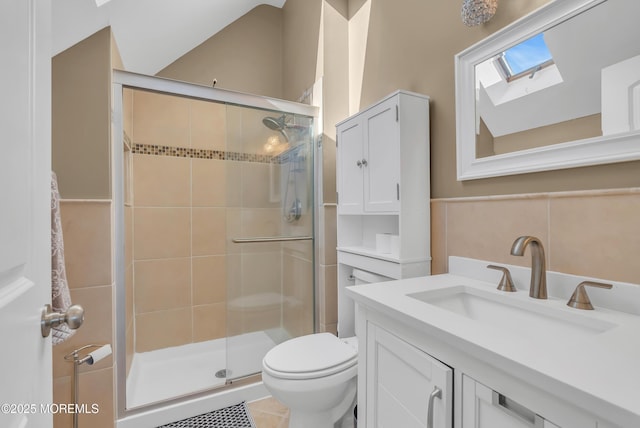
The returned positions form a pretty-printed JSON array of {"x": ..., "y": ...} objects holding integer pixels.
[{"x": 599, "y": 372}]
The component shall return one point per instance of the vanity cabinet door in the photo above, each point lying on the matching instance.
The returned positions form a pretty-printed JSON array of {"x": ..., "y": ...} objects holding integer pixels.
[
  {"x": 484, "y": 408},
  {"x": 400, "y": 380}
]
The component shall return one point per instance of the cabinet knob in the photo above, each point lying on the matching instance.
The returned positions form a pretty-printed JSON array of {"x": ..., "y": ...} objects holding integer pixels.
[
  {"x": 359, "y": 163},
  {"x": 364, "y": 162}
]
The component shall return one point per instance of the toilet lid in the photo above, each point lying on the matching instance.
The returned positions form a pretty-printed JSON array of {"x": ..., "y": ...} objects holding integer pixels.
[{"x": 311, "y": 353}]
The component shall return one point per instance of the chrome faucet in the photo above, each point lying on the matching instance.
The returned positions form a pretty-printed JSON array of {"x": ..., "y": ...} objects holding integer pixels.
[{"x": 538, "y": 288}]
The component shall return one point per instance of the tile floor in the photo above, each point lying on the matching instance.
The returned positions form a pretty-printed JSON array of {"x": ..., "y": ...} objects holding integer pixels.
[{"x": 269, "y": 413}]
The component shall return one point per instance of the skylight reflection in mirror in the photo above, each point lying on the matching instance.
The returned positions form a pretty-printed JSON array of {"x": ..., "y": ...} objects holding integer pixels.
[{"x": 525, "y": 58}]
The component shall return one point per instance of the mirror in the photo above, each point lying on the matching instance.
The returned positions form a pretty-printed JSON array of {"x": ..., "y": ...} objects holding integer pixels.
[{"x": 576, "y": 105}]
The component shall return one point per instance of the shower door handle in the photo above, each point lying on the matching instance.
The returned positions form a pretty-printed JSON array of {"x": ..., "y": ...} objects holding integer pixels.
[{"x": 271, "y": 239}]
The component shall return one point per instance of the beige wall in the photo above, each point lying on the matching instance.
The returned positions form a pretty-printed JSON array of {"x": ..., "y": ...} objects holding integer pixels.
[
  {"x": 411, "y": 45},
  {"x": 245, "y": 56},
  {"x": 81, "y": 88}
]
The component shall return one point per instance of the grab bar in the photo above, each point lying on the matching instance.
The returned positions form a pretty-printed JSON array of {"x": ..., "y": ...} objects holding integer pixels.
[{"x": 271, "y": 239}]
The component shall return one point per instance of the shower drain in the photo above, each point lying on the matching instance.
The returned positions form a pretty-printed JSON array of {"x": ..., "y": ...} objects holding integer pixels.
[{"x": 223, "y": 373}]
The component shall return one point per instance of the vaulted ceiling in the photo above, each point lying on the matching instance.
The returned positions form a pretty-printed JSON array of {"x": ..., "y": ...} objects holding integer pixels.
[{"x": 150, "y": 34}]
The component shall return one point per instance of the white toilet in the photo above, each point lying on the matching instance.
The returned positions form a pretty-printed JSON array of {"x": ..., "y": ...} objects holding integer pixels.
[{"x": 315, "y": 376}]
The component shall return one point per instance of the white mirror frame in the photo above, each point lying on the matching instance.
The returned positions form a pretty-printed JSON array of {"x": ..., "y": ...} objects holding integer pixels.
[{"x": 590, "y": 151}]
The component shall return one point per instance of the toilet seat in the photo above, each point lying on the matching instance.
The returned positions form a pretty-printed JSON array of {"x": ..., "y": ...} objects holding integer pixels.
[{"x": 309, "y": 357}]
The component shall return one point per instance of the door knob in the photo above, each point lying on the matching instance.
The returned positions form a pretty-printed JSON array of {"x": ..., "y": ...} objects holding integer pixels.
[{"x": 73, "y": 317}]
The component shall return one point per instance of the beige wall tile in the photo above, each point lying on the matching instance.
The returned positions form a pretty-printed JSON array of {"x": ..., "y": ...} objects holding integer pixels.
[
  {"x": 209, "y": 322},
  {"x": 261, "y": 222},
  {"x": 62, "y": 394},
  {"x": 300, "y": 249},
  {"x": 160, "y": 119},
  {"x": 162, "y": 284},
  {"x": 328, "y": 236},
  {"x": 234, "y": 184},
  {"x": 328, "y": 292},
  {"x": 161, "y": 181},
  {"x": 209, "y": 184},
  {"x": 439, "y": 262},
  {"x": 298, "y": 292},
  {"x": 208, "y": 125},
  {"x": 162, "y": 233},
  {"x": 209, "y": 279},
  {"x": 97, "y": 388},
  {"x": 486, "y": 229},
  {"x": 209, "y": 233},
  {"x": 158, "y": 330},
  {"x": 86, "y": 227},
  {"x": 328, "y": 169},
  {"x": 596, "y": 236},
  {"x": 260, "y": 189},
  {"x": 97, "y": 329},
  {"x": 261, "y": 273}
]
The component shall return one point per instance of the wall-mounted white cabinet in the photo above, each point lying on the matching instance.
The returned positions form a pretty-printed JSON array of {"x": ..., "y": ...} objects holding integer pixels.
[
  {"x": 368, "y": 160},
  {"x": 383, "y": 185},
  {"x": 383, "y": 182}
]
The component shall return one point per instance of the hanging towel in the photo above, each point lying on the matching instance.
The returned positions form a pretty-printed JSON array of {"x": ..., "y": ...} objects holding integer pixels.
[{"x": 60, "y": 296}]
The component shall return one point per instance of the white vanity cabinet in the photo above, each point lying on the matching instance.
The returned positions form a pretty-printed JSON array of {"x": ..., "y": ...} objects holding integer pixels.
[
  {"x": 405, "y": 386},
  {"x": 398, "y": 369}
]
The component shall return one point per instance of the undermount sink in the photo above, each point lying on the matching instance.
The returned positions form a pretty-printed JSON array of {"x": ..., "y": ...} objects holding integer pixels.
[{"x": 508, "y": 312}]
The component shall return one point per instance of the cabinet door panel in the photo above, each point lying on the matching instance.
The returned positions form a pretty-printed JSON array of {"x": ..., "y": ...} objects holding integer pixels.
[
  {"x": 403, "y": 378},
  {"x": 349, "y": 173},
  {"x": 382, "y": 153}
]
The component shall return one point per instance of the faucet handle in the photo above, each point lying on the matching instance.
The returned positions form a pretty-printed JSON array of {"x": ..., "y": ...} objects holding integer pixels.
[
  {"x": 506, "y": 283},
  {"x": 580, "y": 299}
]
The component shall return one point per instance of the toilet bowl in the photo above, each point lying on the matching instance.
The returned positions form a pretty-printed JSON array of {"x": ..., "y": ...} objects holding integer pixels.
[{"x": 315, "y": 377}]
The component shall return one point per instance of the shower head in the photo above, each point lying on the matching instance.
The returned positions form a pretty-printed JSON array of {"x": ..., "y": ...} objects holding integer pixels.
[
  {"x": 276, "y": 124},
  {"x": 273, "y": 123}
]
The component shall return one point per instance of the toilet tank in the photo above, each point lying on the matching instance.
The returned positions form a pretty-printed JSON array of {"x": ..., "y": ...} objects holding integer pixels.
[{"x": 346, "y": 306}]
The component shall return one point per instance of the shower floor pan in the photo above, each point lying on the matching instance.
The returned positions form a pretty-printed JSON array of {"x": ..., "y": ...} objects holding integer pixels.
[{"x": 182, "y": 370}]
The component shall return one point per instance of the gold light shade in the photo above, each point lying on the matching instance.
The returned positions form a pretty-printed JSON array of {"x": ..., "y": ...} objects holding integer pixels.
[{"x": 476, "y": 12}]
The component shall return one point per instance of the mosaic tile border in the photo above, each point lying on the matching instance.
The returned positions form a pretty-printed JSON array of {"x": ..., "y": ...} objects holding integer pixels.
[{"x": 183, "y": 152}]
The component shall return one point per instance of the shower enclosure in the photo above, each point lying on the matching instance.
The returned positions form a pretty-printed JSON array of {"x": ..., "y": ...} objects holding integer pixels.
[{"x": 215, "y": 206}]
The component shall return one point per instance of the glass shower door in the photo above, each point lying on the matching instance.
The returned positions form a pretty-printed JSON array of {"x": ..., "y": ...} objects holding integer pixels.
[{"x": 270, "y": 272}]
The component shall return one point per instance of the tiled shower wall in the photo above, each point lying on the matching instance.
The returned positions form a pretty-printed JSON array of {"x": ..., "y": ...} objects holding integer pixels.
[
  {"x": 591, "y": 233},
  {"x": 185, "y": 206}
]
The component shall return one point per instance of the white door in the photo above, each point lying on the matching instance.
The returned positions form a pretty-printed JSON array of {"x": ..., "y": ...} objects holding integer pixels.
[{"x": 25, "y": 240}]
